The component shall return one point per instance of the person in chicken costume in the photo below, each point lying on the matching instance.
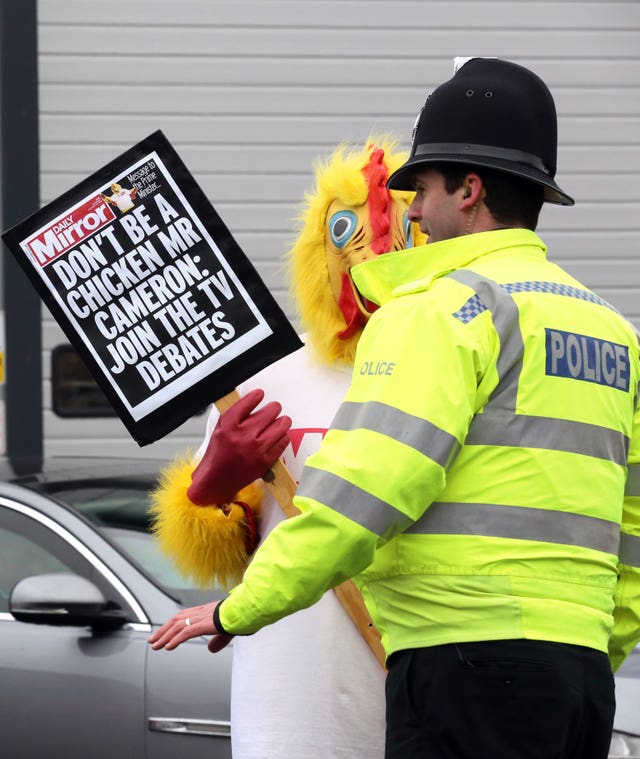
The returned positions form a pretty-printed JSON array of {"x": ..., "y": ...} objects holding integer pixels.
[{"x": 308, "y": 686}]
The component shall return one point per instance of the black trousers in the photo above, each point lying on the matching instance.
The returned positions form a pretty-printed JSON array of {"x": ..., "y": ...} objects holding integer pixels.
[{"x": 506, "y": 699}]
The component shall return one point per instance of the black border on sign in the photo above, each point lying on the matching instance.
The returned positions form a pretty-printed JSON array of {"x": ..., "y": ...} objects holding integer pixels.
[{"x": 172, "y": 414}]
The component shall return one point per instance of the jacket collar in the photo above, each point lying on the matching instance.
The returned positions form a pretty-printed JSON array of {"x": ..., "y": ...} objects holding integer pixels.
[{"x": 404, "y": 271}]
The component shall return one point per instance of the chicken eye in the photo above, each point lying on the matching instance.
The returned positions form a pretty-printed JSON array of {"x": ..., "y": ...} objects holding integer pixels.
[
  {"x": 408, "y": 230},
  {"x": 342, "y": 225}
]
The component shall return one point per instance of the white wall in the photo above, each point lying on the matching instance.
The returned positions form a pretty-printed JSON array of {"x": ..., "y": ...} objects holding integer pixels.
[{"x": 250, "y": 93}]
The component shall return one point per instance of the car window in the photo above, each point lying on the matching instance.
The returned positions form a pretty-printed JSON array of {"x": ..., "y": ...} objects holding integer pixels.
[
  {"x": 21, "y": 557},
  {"x": 120, "y": 511},
  {"x": 28, "y": 547},
  {"x": 145, "y": 551}
]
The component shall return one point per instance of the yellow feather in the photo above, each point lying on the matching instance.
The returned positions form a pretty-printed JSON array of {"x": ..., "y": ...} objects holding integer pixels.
[{"x": 206, "y": 543}]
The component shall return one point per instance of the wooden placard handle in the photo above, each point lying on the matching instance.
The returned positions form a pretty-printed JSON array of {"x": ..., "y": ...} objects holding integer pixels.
[{"x": 283, "y": 487}]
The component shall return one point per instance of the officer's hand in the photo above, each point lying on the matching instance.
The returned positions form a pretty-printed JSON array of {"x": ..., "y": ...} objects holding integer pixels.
[{"x": 187, "y": 624}]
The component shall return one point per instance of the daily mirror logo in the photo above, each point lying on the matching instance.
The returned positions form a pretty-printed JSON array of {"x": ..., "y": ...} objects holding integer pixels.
[{"x": 69, "y": 229}]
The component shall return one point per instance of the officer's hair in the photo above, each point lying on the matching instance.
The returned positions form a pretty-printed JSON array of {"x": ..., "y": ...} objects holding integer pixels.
[{"x": 510, "y": 199}]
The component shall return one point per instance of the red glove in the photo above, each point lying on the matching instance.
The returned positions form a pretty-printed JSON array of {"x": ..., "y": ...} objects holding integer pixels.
[{"x": 242, "y": 448}]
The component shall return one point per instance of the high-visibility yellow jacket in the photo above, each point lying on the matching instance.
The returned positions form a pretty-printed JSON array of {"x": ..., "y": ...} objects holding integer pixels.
[{"x": 482, "y": 476}]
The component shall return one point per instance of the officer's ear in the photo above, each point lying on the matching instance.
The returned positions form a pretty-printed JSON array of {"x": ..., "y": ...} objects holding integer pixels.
[{"x": 472, "y": 190}]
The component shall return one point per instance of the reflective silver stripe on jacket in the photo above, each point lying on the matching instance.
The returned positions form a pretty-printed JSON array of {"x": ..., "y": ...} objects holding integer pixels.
[
  {"x": 506, "y": 320},
  {"x": 630, "y": 550},
  {"x": 632, "y": 486},
  {"x": 409, "y": 429},
  {"x": 353, "y": 502},
  {"x": 519, "y": 522},
  {"x": 552, "y": 434},
  {"x": 499, "y": 424}
]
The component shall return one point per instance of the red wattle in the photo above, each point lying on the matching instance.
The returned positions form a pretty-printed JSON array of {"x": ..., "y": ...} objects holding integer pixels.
[{"x": 354, "y": 318}]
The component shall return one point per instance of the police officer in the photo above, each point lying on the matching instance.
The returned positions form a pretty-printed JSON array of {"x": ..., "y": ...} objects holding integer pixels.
[{"x": 484, "y": 486}]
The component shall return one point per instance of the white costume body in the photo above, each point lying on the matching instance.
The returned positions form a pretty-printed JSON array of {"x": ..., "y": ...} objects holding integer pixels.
[{"x": 307, "y": 687}]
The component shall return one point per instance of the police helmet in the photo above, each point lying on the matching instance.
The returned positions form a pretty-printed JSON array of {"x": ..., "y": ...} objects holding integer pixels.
[{"x": 491, "y": 113}]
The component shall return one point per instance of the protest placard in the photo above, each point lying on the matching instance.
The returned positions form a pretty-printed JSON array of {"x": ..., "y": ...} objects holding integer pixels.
[{"x": 151, "y": 289}]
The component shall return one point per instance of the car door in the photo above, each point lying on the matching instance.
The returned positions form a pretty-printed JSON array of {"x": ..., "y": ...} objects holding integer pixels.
[
  {"x": 189, "y": 717},
  {"x": 65, "y": 691}
]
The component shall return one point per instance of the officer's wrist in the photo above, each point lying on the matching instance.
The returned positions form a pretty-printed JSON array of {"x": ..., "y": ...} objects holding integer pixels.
[{"x": 216, "y": 620}]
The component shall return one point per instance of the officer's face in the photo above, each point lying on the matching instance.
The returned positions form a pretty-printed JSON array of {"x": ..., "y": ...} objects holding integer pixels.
[{"x": 436, "y": 211}]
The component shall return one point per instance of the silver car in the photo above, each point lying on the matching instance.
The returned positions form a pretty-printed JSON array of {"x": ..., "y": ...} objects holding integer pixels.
[{"x": 82, "y": 584}]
